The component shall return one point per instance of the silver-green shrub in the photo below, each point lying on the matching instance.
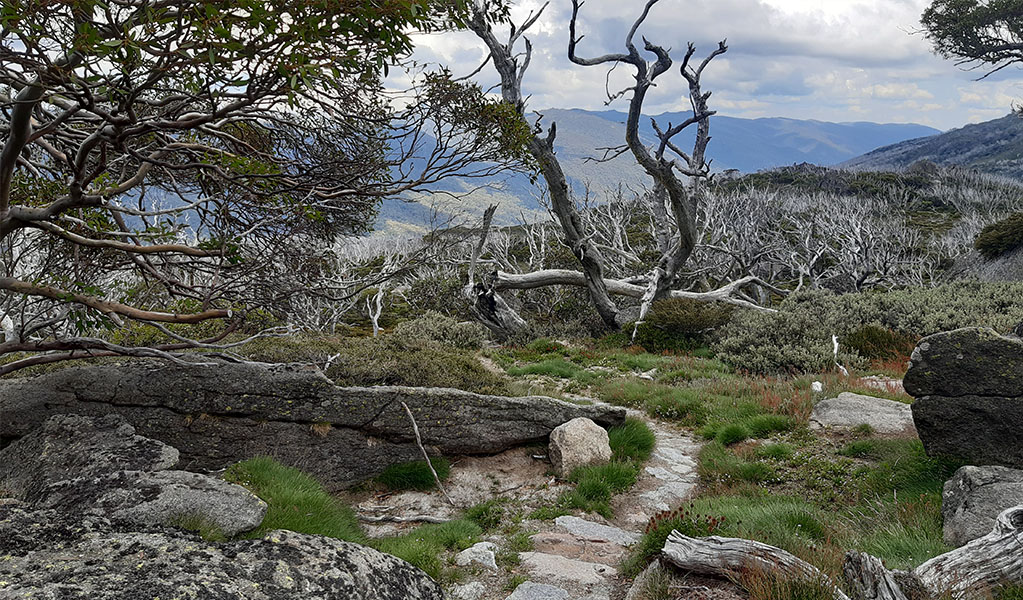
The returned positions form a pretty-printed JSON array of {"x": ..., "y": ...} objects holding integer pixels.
[
  {"x": 435, "y": 327},
  {"x": 798, "y": 337}
]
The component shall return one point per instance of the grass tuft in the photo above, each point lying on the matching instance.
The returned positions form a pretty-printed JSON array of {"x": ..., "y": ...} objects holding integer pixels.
[
  {"x": 632, "y": 440},
  {"x": 414, "y": 475}
]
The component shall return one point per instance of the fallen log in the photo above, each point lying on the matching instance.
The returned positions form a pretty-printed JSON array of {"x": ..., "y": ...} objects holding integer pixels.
[{"x": 971, "y": 571}]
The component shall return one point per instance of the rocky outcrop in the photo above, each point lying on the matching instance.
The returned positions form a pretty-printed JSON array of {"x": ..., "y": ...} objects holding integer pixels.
[
  {"x": 51, "y": 555},
  {"x": 72, "y": 446},
  {"x": 99, "y": 466},
  {"x": 968, "y": 386},
  {"x": 578, "y": 443},
  {"x": 849, "y": 410},
  {"x": 220, "y": 414},
  {"x": 973, "y": 499}
]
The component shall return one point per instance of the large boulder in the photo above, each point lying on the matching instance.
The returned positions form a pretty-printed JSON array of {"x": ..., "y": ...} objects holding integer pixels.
[
  {"x": 73, "y": 446},
  {"x": 973, "y": 499},
  {"x": 578, "y": 443},
  {"x": 968, "y": 386},
  {"x": 218, "y": 414},
  {"x": 51, "y": 555},
  {"x": 849, "y": 410},
  {"x": 162, "y": 498}
]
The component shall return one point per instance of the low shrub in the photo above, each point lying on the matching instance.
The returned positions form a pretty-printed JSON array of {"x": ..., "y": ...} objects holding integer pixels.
[
  {"x": 875, "y": 342},
  {"x": 414, "y": 475},
  {"x": 1001, "y": 237},
  {"x": 442, "y": 329},
  {"x": 679, "y": 324}
]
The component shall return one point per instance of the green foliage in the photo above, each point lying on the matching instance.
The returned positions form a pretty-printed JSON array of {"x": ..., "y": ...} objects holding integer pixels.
[
  {"x": 632, "y": 440},
  {"x": 442, "y": 329},
  {"x": 383, "y": 360},
  {"x": 683, "y": 520},
  {"x": 875, "y": 342},
  {"x": 761, "y": 426},
  {"x": 422, "y": 546},
  {"x": 762, "y": 584},
  {"x": 487, "y": 515},
  {"x": 972, "y": 31},
  {"x": 859, "y": 449},
  {"x": 659, "y": 401},
  {"x": 780, "y": 451},
  {"x": 554, "y": 367},
  {"x": 679, "y": 324},
  {"x": 595, "y": 485},
  {"x": 731, "y": 434},
  {"x": 206, "y": 529},
  {"x": 414, "y": 475},
  {"x": 717, "y": 463},
  {"x": 798, "y": 338},
  {"x": 295, "y": 501},
  {"x": 1009, "y": 592},
  {"x": 1001, "y": 237}
]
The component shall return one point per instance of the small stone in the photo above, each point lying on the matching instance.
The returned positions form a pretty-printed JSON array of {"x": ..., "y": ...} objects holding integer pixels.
[
  {"x": 850, "y": 410},
  {"x": 469, "y": 591},
  {"x": 527, "y": 590},
  {"x": 578, "y": 443},
  {"x": 481, "y": 553}
]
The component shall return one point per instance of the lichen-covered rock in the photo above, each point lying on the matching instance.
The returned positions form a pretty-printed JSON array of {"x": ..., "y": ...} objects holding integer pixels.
[
  {"x": 849, "y": 410},
  {"x": 578, "y": 443},
  {"x": 968, "y": 386},
  {"x": 974, "y": 497},
  {"x": 162, "y": 498},
  {"x": 216, "y": 415},
  {"x": 72, "y": 446},
  {"x": 49, "y": 555}
]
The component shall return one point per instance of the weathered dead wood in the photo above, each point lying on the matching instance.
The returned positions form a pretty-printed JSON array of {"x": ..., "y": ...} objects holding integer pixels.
[
  {"x": 970, "y": 571},
  {"x": 988, "y": 562},
  {"x": 426, "y": 456},
  {"x": 487, "y": 304},
  {"x": 726, "y": 557}
]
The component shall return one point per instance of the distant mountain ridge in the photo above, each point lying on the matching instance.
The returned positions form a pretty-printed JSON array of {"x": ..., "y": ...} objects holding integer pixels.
[
  {"x": 994, "y": 147},
  {"x": 748, "y": 145}
]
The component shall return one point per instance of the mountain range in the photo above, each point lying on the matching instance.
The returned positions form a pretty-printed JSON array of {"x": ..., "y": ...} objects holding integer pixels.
[
  {"x": 747, "y": 145},
  {"x": 994, "y": 147}
]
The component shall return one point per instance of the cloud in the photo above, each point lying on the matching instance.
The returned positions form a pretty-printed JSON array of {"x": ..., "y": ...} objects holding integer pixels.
[{"x": 819, "y": 59}]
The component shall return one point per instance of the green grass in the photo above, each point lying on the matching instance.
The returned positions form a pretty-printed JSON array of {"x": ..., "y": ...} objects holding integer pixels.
[
  {"x": 555, "y": 367},
  {"x": 718, "y": 464},
  {"x": 732, "y": 434},
  {"x": 596, "y": 485},
  {"x": 488, "y": 515},
  {"x": 414, "y": 475},
  {"x": 781, "y": 451},
  {"x": 295, "y": 501},
  {"x": 206, "y": 529},
  {"x": 632, "y": 440}
]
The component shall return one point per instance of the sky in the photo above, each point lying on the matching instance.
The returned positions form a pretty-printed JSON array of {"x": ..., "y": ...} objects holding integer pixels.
[{"x": 829, "y": 60}]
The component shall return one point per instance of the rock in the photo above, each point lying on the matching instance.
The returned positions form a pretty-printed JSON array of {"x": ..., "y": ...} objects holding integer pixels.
[
  {"x": 849, "y": 410},
  {"x": 481, "y": 553},
  {"x": 527, "y": 590},
  {"x": 578, "y": 443},
  {"x": 596, "y": 532},
  {"x": 969, "y": 389},
  {"x": 566, "y": 571},
  {"x": 108, "y": 562},
  {"x": 216, "y": 415},
  {"x": 638, "y": 589},
  {"x": 72, "y": 446},
  {"x": 469, "y": 591},
  {"x": 570, "y": 546},
  {"x": 973, "y": 499},
  {"x": 163, "y": 498},
  {"x": 966, "y": 362}
]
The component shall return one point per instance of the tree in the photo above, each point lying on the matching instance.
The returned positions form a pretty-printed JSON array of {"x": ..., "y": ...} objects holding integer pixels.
[
  {"x": 673, "y": 201},
  {"x": 177, "y": 163},
  {"x": 978, "y": 33}
]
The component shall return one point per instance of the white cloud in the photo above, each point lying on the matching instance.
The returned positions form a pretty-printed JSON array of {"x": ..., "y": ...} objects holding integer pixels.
[{"x": 823, "y": 59}]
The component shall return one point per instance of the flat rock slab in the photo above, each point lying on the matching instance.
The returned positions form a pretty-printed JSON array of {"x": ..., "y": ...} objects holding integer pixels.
[
  {"x": 849, "y": 410},
  {"x": 161, "y": 498},
  {"x": 219, "y": 414},
  {"x": 974, "y": 497},
  {"x": 43, "y": 559},
  {"x": 588, "y": 530},
  {"x": 669, "y": 478},
  {"x": 566, "y": 571},
  {"x": 73, "y": 446},
  {"x": 527, "y": 590},
  {"x": 570, "y": 546}
]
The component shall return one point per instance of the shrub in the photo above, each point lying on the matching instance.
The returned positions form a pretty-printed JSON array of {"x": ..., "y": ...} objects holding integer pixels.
[
  {"x": 384, "y": 360},
  {"x": 798, "y": 337},
  {"x": 680, "y": 324},
  {"x": 879, "y": 343},
  {"x": 1001, "y": 237},
  {"x": 414, "y": 475},
  {"x": 442, "y": 329}
]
